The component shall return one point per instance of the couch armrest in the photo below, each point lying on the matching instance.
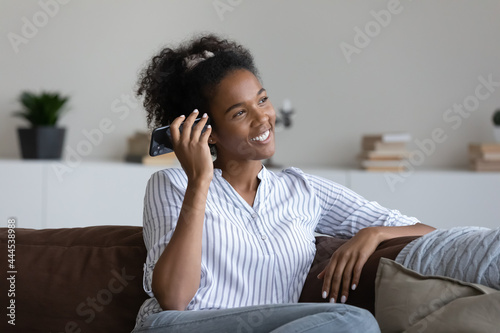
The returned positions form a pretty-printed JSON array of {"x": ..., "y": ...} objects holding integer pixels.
[
  {"x": 364, "y": 295},
  {"x": 76, "y": 279}
]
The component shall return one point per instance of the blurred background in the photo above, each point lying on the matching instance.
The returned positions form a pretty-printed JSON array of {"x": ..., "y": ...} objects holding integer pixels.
[{"x": 348, "y": 67}]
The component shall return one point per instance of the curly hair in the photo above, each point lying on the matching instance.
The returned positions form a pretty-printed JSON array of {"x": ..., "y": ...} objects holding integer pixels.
[{"x": 171, "y": 89}]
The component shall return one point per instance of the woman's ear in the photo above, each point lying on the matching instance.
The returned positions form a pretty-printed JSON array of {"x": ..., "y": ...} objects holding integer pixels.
[{"x": 212, "y": 139}]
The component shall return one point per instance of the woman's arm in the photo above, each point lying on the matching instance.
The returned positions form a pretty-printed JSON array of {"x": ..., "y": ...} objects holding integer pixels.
[
  {"x": 348, "y": 261},
  {"x": 385, "y": 233},
  {"x": 176, "y": 276}
]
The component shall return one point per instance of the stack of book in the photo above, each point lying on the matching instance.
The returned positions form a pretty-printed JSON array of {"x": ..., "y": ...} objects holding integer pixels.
[
  {"x": 138, "y": 151},
  {"x": 484, "y": 156},
  {"x": 384, "y": 152}
]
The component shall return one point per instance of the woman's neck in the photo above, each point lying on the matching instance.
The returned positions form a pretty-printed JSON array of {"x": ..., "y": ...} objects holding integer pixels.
[{"x": 241, "y": 176}]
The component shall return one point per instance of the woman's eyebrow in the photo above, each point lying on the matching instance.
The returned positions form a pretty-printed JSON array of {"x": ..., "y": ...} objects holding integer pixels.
[{"x": 240, "y": 104}]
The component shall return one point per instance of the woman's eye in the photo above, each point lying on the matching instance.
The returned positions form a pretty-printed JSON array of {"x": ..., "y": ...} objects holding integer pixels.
[
  {"x": 263, "y": 99},
  {"x": 238, "y": 114}
]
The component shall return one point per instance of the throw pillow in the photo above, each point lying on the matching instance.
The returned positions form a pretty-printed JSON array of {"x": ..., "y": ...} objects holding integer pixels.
[{"x": 406, "y": 301}]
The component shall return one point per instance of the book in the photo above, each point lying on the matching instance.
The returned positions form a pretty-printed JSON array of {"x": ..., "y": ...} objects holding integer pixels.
[
  {"x": 484, "y": 147},
  {"x": 382, "y": 146},
  {"x": 133, "y": 158},
  {"x": 165, "y": 159},
  {"x": 388, "y": 169},
  {"x": 387, "y": 137},
  {"x": 138, "y": 144},
  {"x": 381, "y": 163},
  {"x": 487, "y": 156},
  {"x": 484, "y": 156},
  {"x": 384, "y": 152},
  {"x": 384, "y": 155},
  {"x": 484, "y": 165}
]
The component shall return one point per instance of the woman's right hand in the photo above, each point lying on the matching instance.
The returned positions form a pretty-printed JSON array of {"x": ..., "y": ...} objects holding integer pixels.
[
  {"x": 177, "y": 273},
  {"x": 191, "y": 146}
]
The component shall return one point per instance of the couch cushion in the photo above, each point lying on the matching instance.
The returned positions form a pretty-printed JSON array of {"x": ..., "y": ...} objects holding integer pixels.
[
  {"x": 76, "y": 279},
  {"x": 364, "y": 295},
  {"x": 411, "y": 302}
]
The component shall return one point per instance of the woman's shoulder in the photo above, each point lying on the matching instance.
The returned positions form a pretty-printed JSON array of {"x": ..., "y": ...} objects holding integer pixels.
[
  {"x": 308, "y": 179},
  {"x": 293, "y": 171},
  {"x": 291, "y": 174},
  {"x": 175, "y": 176}
]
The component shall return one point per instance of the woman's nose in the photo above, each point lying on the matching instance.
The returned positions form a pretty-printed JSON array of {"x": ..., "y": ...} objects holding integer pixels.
[{"x": 262, "y": 115}]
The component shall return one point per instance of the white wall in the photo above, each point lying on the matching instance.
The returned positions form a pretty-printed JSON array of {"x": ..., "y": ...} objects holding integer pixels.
[{"x": 426, "y": 59}]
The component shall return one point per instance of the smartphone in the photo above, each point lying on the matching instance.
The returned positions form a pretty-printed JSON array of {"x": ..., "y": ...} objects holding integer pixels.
[{"x": 161, "y": 139}]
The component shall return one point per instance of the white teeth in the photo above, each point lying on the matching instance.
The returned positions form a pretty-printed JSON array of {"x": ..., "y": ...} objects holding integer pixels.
[{"x": 262, "y": 137}]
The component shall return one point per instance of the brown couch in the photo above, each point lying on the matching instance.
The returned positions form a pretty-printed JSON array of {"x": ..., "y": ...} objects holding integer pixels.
[{"x": 90, "y": 279}]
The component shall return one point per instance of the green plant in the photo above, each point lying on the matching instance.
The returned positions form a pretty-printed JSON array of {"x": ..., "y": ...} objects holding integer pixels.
[
  {"x": 496, "y": 117},
  {"x": 42, "y": 109}
]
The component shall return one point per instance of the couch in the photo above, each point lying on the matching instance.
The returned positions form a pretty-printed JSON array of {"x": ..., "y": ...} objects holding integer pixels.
[{"x": 90, "y": 279}]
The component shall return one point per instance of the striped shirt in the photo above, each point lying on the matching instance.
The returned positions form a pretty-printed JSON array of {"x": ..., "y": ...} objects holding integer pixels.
[{"x": 258, "y": 254}]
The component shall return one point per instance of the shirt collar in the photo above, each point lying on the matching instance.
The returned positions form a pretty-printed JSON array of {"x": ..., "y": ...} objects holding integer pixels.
[{"x": 262, "y": 175}]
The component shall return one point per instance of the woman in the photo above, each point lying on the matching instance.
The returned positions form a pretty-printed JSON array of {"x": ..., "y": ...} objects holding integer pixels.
[{"x": 228, "y": 238}]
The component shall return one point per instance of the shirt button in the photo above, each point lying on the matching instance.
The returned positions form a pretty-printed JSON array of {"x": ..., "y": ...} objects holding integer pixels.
[
  {"x": 254, "y": 216},
  {"x": 264, "y": 237}
]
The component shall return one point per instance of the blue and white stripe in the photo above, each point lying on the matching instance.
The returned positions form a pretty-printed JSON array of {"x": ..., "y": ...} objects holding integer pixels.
[{"x": 260, "y": 254}]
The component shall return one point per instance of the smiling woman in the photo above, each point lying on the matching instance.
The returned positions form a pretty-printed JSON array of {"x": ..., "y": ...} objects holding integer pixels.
[{"x": 226, "y": 237}]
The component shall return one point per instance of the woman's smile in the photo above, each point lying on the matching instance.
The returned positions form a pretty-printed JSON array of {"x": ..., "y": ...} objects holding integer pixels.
[{"x": 263, "y": 137}]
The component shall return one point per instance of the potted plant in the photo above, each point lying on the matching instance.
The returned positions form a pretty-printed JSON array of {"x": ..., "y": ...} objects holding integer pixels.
[
  {"x": 496, "y": 124},
  {"x": 43, "y": 140}
]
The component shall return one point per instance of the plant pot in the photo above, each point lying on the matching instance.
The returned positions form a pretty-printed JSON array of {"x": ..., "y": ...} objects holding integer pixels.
[
  {"x": 42, "y": 142},
  {"x": 496, "y": 132}
]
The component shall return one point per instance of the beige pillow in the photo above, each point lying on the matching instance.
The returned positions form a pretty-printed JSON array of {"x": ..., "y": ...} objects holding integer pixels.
[{"x": 406, "y": 301}]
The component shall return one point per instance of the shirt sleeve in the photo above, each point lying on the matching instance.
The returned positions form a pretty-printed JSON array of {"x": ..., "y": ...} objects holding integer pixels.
[
  {"x": 344, "y": 212},
  {"x": 162, "y": 205}
]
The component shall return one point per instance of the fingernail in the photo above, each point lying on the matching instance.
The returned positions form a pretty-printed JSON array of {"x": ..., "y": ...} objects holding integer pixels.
[
  {"x": 205, "y": 115},
  {"x": 324, "y": 294},
  {"x": 182, "y": 116},
  {"x": 332, "y": 300},
  {"x": 209, "y": 126},
  {"x": 343, "y": 299},
  {"x": 195, "y": 111},
  {"x": 353, "y": 287}
]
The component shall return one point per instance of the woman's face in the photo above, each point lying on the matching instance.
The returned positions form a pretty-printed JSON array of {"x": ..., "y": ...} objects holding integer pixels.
[{"x": 243, "y": 118}]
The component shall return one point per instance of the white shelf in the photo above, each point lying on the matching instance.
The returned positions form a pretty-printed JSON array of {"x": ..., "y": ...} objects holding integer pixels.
[
  {"x": 39, "y": 196},
  {"x": 438, "y": 198},
  {"x": 112, "y": 193},
  {"x": 21, "y": 193}
]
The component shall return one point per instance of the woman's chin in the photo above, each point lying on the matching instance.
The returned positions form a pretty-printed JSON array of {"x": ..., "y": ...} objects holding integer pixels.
[
  {"x": 267, "y": 155},
  {"x": 268, "y": 152}
]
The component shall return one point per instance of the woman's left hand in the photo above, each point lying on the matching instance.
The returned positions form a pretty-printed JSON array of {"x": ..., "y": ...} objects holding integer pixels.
[{"x": 346, "y": 264}]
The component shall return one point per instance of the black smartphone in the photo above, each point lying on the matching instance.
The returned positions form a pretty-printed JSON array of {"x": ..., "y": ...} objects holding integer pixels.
[{"x": 161, "y": 139}]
